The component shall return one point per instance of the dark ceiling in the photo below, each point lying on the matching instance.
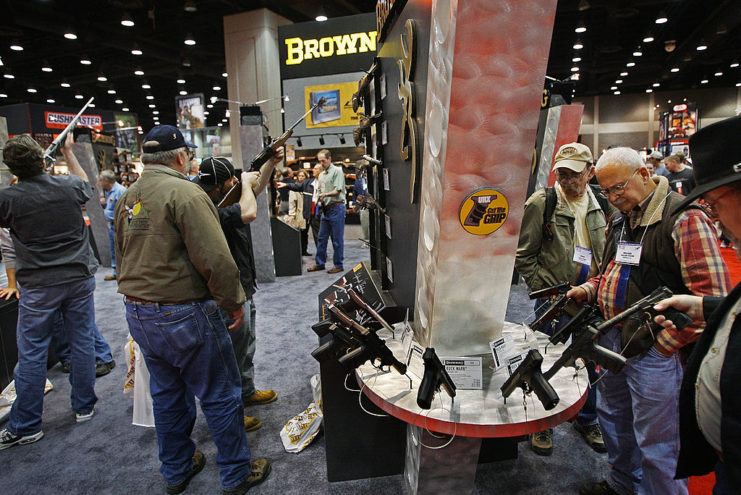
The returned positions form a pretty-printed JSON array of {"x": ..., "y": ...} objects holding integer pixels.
[{"x": 614, "y": 30}]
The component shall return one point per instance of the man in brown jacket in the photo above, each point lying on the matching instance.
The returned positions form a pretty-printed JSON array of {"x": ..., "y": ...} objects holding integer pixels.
[{"x": 175, "y": 270}]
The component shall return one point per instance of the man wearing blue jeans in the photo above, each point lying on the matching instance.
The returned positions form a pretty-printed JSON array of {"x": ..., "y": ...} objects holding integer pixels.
[
  {"x": 112, "y": 190},
  {"x": 175, "y": 270},
  {"x": 332, "y": 196},
  {"x": 54, "y": 271}
]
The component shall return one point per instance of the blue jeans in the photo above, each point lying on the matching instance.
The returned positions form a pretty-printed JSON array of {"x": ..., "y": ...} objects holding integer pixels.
[
  {"x": 188, "y": 352},
  {"x": 37, "y": 308},
  {"x": 243, "y": 341},
  {"x": 333, "y": 224},
  {"x": 61, "y": 345},
  {"x": 588, "y": 414},
  {"x": 638, "y": 411},
  {"x": 112, "y": 241}
]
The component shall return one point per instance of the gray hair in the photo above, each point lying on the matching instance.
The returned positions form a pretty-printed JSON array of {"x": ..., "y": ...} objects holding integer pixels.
[
  {"x": 108, "y": 175},
  {"x": 623, "y": 155},
  {"x": 162, "y": 157}
]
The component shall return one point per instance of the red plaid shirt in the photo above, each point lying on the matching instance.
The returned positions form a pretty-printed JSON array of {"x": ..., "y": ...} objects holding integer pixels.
[{"x": 703, "y": 271}]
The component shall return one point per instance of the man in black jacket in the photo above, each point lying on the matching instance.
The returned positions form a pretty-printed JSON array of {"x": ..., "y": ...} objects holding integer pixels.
[{"x": 710, "y": 398}]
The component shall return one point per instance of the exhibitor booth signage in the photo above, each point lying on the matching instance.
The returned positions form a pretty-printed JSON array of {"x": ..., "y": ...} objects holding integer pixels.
[{"x": 335, "y": 46}]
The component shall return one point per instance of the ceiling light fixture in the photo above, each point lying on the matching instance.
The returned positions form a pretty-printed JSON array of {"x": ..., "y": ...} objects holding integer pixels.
[
  {"x": 111, "y": 91},
  {"x": 31, "y": 90},
  {"x": 118, "y": 102},
  {"x": 150, "y": 97},
  {"x": 70, "y": 34},
  {"x": 157, "y": 112},
  {"x": 146, "y": 86},
  {"x": 46, "y": 67},
  {"x": 578, "y": 45},
  {"x": 16, "y": 47},
  {"x": 64, "y": 84},
  {"x": 575, "y": 69},
  {"x": 574, "y": 77},
  {"x": 127, "y": 21},
  {"x": 704, "y": 81},
  {"x": 675, "y": 69},
  {"x": 733, "y": 65},
  {"x": 718, "y": 74},
  {"x": 618, "y": 81},
  {"x": 702, "y": 46},
  {"x": 580, "y": 28},
  {"x": 135, "y": 50},
  {"x": 185, "y": 62},
  {"x": 125, "y": 109},
  {"x": 181, "y": 81},
  {"x": 576, "y": 59},
  {"x": 189, "y": 40},
  {"x": 102, "y": 78},
  {"x": 649, "y": 90},
  {"x": 183, "y": 93},
  {"x": 217, "y": 88},
  {"x": 623, "y": 74},
  {"x": 662, "y": 18},
  {"x": 209, "y": 105},
  {"x": 3, "y": 95},
  {"x": 656, "y": 85},
  {"x": 637, "y": 52},
  {"x": 190, "y": 6},
  {"x": 648, "y": 38},
  {"x": 613, "y": 88},
  {"x": 616, "y": 92},
  {"x": 630, "y": 64},
  {"x": 224, "y": 74},
  {"x": 139, "y": 72},
  {"x": 79, "y": 97},
  {"x": 85, "y": 61},
  {"x": 8, "y": 75},
  {"x": 50, "y": 100},
  {"x": 152, "y": 106}
]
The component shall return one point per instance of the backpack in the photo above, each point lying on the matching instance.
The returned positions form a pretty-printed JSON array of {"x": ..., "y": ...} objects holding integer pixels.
[{"x": 550, "y": 206}]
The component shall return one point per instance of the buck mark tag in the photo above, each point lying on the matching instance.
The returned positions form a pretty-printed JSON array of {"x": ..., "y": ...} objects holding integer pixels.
[
  {"x": 583, "y": 255},
  {"x": 628, "y": 253}
]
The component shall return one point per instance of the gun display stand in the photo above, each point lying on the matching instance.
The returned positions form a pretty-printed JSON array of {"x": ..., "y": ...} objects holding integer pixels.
[{"x": 474, "y": 416}]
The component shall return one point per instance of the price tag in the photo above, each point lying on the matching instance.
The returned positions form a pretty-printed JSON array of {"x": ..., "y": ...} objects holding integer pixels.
[
  {"x": 628, "y": 253},
  {"x": 501, "y": 350},
  {"x": 388, "y": 226},
  {"x": 415, "y": 364},
  {"x": 383, "y": 86},
  {"x": 389, "y": 270},
  {"x": 407, "y": 337},
  {"x": 514, "y": 362},
  {"x": 583, "y": 255},
  {"x": 466, "y": 372},
  {"x": 386, "y": 186},
  {"x": 384, "y": 133}
]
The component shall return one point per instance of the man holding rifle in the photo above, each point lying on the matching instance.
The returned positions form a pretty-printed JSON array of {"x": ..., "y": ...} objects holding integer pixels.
[
  {"x": 709, "y": 408},
  {"x": 649, "y": 244},
  {"x": 54, "y": 270}
]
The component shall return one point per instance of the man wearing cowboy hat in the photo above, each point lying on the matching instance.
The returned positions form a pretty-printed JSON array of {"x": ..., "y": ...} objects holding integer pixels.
[{"x": 710, "y": 397}]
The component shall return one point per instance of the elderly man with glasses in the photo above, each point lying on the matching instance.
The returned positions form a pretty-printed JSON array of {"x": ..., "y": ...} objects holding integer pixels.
[
  {"x": 561, "y": 240},
  {"x": 649, "y": 244}
]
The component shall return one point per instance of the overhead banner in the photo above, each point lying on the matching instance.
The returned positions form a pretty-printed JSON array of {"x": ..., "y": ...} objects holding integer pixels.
[
  {"x": 337, "y": 110},
  {"x": 190, "y": 111},
  {"x": 335, "y": 46}
]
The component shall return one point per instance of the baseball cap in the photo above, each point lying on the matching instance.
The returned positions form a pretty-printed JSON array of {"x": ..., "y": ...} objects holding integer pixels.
[
  {"x": 214, "y": 170},
  {"x": 716, "y": 159},
  {"x": 656, "y": 155},
  {"x": 164, "y": 138},
  {"x": 574, "y": 156}
]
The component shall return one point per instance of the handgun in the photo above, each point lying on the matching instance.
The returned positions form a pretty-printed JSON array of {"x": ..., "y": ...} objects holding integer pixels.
[
  {"x": 529, "y": 378},
  {"x": 435, "y": 377},
  {"x": 368, "y": 309},
  {"x": 480, "y": 203},
  {"x": 558, "y": 292},
  {"x": 371, "y": 348}
]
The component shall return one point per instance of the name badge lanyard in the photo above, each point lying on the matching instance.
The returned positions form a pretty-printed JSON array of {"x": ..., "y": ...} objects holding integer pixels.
[{"x": 622, "y": 285}]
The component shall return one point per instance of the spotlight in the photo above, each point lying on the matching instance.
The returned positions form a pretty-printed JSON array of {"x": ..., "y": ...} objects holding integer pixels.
[
  {"x": 299, "y": 143},
  {"x": 321, "y": 140},
  {"x": 342, "y": 139}
]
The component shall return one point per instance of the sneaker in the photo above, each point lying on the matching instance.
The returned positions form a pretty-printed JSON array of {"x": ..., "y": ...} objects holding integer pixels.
[
  {"x": 335, "y": 270},
  {"x": 592, "y": 435},
  {"x": 199, "y": 460},
  {"x": 65, "y": 367},
  {"x": 82, "y": 417},
  {"x": 315, "y": 268},
  {"x": 260, "y": 397},
  {"x": 542, "y": 442},
  {"x": 260, "y": 471},
  {"x": 102, "y": 369},
  {"x": 7, "y": 439},
  {"x": 251, "y": 424},
  {"x": 601, "y": 488},
  {"x": 109, "y": 277}
]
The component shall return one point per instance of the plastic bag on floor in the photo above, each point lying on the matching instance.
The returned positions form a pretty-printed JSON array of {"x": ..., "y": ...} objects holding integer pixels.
[
  {"x": 8, "y": 397},
  {"x": 300, "y": 430}
]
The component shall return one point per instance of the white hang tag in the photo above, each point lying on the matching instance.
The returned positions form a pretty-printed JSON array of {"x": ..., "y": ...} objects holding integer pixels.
[
  {"x": 583, "y": 255},
  {"x": 628, "y": 253}
]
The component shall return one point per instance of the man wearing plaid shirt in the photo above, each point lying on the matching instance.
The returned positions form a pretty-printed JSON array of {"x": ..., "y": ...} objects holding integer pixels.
[{"x": 648, "y": 245}]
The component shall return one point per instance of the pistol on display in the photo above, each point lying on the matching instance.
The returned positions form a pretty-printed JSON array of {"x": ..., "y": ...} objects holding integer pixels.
[
  {"x": 366, "y": 201},
  {"x": 358, "y": 134},
  {"x": 435, "y": 377},
  {"x": 529, "y": 378},
  {"x": 362, "y": 88}
]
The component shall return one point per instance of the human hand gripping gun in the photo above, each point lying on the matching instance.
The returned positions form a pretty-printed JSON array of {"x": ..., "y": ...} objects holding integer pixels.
[
  {"x": 587, "y": 324},
  {"x": 54, "y": 146},
  {"x": 529, "y": 378},
  {"x": 372, "y": 348},
  {"x": 435, "y": 377}
]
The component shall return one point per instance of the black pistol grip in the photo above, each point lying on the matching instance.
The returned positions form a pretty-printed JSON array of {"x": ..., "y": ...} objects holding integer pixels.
[
  {"x": 679, "y": 318},
  {"x": 426, "y": 389},
  {"x": 323, "y": 352},
  {"x": 544, "y": 390},
  {"x": 354, "y": 358}
]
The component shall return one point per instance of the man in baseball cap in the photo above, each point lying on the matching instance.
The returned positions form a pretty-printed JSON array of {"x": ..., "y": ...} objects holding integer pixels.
[
  {"x": 709, "y": 407},
  {"x": 165, "y": 138}
]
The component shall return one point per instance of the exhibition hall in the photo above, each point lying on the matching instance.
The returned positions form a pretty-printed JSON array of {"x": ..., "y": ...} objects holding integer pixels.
[{"x": 370, "y": 247}]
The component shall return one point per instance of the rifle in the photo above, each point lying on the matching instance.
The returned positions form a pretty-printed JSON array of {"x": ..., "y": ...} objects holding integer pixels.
[
  {"x": 49, "y": 153},
  {"x": 371, "y": 160},
  {"x": 233, "y": 195},
  {"x": 372, "y": 348},
  {"x": 365, "y": 123},
  {"x": 529, "y": 378},
  {"x": 368, "y": 202},
  {"x": 435, "y": 376},
  {"x": 362, "y": 87}
]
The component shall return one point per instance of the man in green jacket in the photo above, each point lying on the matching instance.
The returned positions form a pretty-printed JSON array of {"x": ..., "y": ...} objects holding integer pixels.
[
  {"x": 175, "y": 270},
  {"x": 565, "y": 247}
]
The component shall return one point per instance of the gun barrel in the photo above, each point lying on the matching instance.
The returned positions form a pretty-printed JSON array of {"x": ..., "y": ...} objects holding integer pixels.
[
  {"x": 54, "y": 146},
  {"x": 641, "y": 305}
]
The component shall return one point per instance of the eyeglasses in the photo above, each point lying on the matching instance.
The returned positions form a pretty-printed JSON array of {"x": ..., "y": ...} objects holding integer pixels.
[
  {"x": 564, "y": 176},
  {"x": 619, "y": 189},
  {"x": 713, "y": 202}
]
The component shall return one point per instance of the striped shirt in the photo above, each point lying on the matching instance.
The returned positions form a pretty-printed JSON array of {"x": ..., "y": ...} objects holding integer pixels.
[{"x": 703, "y": 271}]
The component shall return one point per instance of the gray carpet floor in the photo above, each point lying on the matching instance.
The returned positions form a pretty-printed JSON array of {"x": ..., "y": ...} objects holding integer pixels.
[{"x": 108, "y": 455}]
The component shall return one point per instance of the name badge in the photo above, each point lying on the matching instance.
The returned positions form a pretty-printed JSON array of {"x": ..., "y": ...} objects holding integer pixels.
[
  {"x": 583, "y": 255},
  {"x": 628, "y": 253}
]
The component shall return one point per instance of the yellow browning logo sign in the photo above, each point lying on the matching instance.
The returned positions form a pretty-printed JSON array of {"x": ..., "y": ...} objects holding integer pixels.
[
  {"x": 484, "y": 211},
  {"x": 347, "y": 44}
]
